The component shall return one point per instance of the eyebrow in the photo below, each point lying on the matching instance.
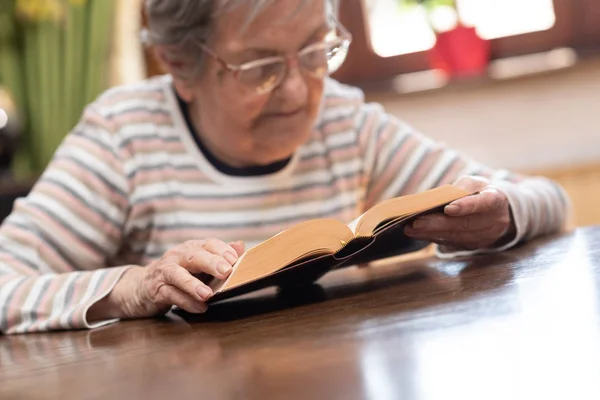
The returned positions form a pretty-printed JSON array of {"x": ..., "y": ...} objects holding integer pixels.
[
  {"x": 257, "y": 51},
  {"x": 324, "y": 28}
]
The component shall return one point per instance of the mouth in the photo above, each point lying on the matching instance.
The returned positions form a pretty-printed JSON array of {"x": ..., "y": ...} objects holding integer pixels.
[{"x": 286, "y": 114}]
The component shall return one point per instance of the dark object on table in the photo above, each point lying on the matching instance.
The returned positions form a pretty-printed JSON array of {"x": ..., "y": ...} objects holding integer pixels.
[
  {"x": 10, "y": 131},
  {"x": 10, "y": 135},
  {"x": 9, "y": 192}
]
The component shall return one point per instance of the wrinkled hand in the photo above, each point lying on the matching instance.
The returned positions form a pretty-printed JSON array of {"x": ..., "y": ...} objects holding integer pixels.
[
  {"x": 152, "y": 290},
  {"x": 474, "y": 222}
]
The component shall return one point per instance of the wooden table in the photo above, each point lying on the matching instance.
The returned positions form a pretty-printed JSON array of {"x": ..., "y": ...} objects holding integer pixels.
[{"x": 519, "y": 325}]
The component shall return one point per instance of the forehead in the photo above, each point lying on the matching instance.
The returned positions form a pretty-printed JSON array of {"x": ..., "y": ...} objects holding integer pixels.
[{"x": 279, "y": 25}]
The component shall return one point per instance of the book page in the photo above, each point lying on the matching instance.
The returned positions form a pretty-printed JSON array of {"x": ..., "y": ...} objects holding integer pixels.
[
  {"x": 352, "y": 225},
  {"x": 406, "y": 205},
  {"x": 319, "y": 236}
]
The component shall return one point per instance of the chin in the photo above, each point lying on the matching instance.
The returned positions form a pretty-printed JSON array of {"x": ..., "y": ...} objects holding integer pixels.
[
  {"x": 272, "y": 147},
  {"x": 270, "y": 157}
]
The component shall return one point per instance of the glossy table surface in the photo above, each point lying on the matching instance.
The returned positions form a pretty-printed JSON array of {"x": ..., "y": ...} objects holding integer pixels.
[{"x": 524, "y": 324}]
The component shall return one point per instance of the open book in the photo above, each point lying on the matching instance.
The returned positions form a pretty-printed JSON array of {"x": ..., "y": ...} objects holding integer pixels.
[{"x": 302, "y": 254}]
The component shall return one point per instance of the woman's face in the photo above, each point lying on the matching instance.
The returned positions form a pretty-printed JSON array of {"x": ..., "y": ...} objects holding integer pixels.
[{"x": 240, "y": 126}]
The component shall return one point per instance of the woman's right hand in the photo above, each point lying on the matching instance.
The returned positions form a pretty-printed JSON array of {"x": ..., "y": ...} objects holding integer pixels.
[{"x": 152, "y": 290}]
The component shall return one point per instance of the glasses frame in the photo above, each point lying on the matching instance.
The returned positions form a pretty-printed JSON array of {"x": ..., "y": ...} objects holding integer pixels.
[{"x": 344, "y": 38}]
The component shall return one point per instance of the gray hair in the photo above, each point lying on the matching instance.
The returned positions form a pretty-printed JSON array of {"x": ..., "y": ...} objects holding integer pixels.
[{"x": 173, "y": 23}]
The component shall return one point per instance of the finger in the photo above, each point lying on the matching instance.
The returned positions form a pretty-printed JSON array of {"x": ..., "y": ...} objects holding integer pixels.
[
  {"x": 222, "y": 249},
  {"x": 210, "y": 256},
  {"x": 172, "y": 296},
  {"x": 440, "y": 222},
  {"x": 239, "y": 247},
  {"x": 202, "y": 261},
  {"x": 490, "y": 199},
  {"x": 181, "y": 278}
]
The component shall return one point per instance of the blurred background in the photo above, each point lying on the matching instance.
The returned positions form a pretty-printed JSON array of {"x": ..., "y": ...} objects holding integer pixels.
[{"x": 513, "y": 83}]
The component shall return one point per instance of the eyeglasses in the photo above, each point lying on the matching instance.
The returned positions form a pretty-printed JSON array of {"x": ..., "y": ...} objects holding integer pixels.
[{"x": 318, "y": 60}]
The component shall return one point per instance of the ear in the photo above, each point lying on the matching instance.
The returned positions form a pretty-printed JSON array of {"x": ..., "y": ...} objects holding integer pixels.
[
  {"x": 176, "y": 69},
  {"x": 184, "y": 89}
]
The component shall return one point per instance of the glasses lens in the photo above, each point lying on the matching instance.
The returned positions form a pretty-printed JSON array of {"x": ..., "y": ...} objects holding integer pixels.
[
  {"x": 262, "y": 76},
  {"x": 324, "y": 58},
  {"x": 314, "y": 59},
  {"x": 337, "y": 55}
]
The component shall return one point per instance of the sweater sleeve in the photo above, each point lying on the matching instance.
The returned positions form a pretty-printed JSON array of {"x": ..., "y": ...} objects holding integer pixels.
[
  {"x": 56, "y": 244},
  {"x": 401, "y": 161}
]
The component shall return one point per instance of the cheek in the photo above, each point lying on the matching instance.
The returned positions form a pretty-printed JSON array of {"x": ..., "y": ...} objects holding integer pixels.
[
  {"x": 232, "y": 106},
  {"x": 245, "y": 111},
  {"x": 315, "y": 88}
]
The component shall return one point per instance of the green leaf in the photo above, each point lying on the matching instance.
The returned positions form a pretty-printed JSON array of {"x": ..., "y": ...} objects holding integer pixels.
[
  {"x": 407, "y": 5},
  {"x": 430, "y": 5}
]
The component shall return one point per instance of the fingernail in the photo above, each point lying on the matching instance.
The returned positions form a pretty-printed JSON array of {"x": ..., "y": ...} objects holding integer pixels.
[
  {"x": 204, "y": 292},
  {"x": 452, "y": 209},
  {"x": 419, "y": 224},
  {"x": 223, "y": 268},
  {"x": 230, "y": 257},
  {"x": 200, "y": 307}
]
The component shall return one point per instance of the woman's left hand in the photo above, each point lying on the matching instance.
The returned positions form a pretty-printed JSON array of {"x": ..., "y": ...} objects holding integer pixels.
[{"x": 483, "y": 220}]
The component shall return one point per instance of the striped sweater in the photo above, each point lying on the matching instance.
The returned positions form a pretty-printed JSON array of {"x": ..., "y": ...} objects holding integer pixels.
[{"x": 129, "y": 182}]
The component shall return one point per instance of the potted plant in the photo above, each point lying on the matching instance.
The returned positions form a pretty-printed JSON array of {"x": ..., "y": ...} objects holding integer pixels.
[
  {"x": 54, "y": 59},
  {"x": 459, "y": 51}
]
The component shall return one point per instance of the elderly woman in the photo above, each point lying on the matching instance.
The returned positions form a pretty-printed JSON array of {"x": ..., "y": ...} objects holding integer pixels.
[{"x": 245, "y": 137}]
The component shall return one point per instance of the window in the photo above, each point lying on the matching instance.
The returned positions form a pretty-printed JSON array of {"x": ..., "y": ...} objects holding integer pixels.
[
  {"x": 390, "y": 40},
  {"x": 496, "y": 19},
  {"x": 391, "y": 27},
  {"x": 396, "y": 30}
]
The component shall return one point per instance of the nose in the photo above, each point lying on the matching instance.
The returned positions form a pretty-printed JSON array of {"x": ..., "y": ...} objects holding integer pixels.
[{"x": 294, "y": 87}]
